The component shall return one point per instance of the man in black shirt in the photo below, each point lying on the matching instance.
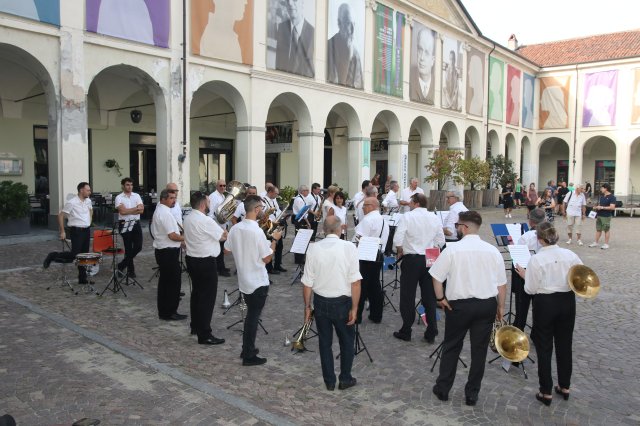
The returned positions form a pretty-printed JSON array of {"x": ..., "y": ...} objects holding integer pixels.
[
  {"x": 560, "y": 193},
  {"x": 605, "y": 209}
]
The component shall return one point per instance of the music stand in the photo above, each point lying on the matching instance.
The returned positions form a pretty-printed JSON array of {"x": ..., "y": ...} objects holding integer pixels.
[
  {"x": 243, "y": 308},
  {"x": 438, "y": 351},
  {"x": 300, "y": 246},
  {"x": 127, "y": 225},
  {"x": 389, "y": 263}
]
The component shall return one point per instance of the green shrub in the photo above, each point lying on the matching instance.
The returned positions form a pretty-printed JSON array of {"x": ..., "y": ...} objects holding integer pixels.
[{"x": 14, "y": 200}]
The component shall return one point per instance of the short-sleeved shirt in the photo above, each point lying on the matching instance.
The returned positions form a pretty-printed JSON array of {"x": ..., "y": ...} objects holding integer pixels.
[
  {"x": 575, "y": 203},
  {"x": 418, "y": 230},
  {"x": 164, "y": 224},
  {"x": 547, "y": 270},
  {"x": 406, "y": 194},
  {"x": 78, "y": 212},
  {"x": 128, "y": 201},
  {"x": 452, "y": 218},
  {"x": 201, "y": 235},
  {"x": 373, "y": 225},
  {"x": 606, "y": 201},
  {"x": 248, "y": 244}
]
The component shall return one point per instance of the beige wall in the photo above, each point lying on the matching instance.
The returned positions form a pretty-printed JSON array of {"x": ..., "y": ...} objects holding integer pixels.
[{"x": 17, "y": 141}]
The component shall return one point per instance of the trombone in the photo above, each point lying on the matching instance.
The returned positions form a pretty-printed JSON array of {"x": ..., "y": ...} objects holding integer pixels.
[{"x": 298, "y": 344}]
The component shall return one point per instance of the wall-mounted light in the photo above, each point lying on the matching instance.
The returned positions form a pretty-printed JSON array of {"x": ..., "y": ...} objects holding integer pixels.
[{"x": 136, "y": 115}]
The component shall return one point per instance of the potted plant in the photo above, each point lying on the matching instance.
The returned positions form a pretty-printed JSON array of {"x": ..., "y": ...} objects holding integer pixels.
[
  {"x": 113, "y": 164},
  {"x": 475, "y": 173},
  {"x": 442, "y": 167},
  {"x": 502, "y": 171},
  {"x": 14, "y": 208}
]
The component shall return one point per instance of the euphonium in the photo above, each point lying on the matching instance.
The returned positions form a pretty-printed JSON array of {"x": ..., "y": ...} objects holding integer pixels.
[
  {"x": 263, "y": 220},
  {"x": 510, "y": 342},
  {"x": 275, "y": 224},
  {"x": 235, "y": 195},
  {"x": 298, "y": 344},
  {"x": 583, "y": 281}
]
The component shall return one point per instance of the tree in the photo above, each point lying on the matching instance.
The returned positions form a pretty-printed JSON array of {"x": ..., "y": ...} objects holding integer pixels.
[
  {"x": 474, "y": 172},
  {"x": 502, "y": 171},
  {"x": 443, "y": 166}
]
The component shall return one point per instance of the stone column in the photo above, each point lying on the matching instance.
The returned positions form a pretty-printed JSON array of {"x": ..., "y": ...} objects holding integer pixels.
[
  {"x": 249, "y": 157},
  {"x": 398, "y": 161},
  {"x": 623, "y": 166},
  {"x": 369, "y": 47},
  {"x": 359, "y": 161},
  {"x": 310, "y": 157}
]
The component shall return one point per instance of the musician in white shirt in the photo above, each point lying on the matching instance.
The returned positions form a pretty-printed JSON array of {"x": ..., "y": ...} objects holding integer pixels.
[
  {"x": 240, "y": 213},
  {"x": 316, "y": 197},
  {"x": 167, "y": 243},
  {"x": 129, "y": 206},
  {"x": 216, "y": 198},
  {"x": 300, "y": 202},
  {"x": 369, "y": 191},
  {"x": 271, "y": 204},
  {"x": 554, "y": 310},
  {"x": 455, "y": 208},
  {"x": 475, "y": 275},
  {"x": 360, "y": 196},
  {"x": 418, "y": 230},
  {"x": 201, "y": 235},
  {"x": 176, "y": 210},
  {"x": 390, "y": 202},
  {"x": 405, "y": 195}
]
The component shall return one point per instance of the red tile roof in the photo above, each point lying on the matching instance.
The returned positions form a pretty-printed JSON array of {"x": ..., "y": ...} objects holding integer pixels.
[{"x": 594, "y": 48}]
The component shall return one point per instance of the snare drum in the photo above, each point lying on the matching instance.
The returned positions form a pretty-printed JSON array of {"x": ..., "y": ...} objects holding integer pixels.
[{"x": 88, "y": 259}]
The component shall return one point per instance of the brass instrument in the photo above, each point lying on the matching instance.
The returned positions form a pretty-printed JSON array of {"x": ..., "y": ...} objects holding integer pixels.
[
  {"x": 318, "y": 212},
  {"x": 235, "y": 194},
  {"x": 275, "y": 225},
  {"x": 510, "y": 342},
  {"x": 298, "y": 344},
  {"x": 583, "y": 281},
  {"x": 263, "y": 219}
]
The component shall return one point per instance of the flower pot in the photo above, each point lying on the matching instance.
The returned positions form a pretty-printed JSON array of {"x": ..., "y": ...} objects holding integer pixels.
[
  {"x": 490, "y": 197},
  {"x": 437, "y": 200},
  {"x": 473, "y": 198},
  {"x": 15, "y": 227}
]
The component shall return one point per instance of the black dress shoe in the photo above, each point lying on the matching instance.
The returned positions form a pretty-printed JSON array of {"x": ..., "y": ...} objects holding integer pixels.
[
  {"x": 254, "y": 360},
  {"x": 182, "y": 294},
  {"x": 174, "y": 317},
  {"x": 430, "y": 339},
  {"x": 224, "y": 274},
  {"x": 441, "y": 396},
  {"x": 131, "y": 274},
  {"x": 330, "y": 386},
  {"x": 470, "y": 401},
  {"x": 255, "y": 352},
  {"x": 210, "y": 340},
  {"x": 346, "y": 385},
  {"x": 48, "y": 259},
  {"x": 280, "y": 268},
  {"x": 401, "y": 336},
  {"x": 274, "y": 272}
]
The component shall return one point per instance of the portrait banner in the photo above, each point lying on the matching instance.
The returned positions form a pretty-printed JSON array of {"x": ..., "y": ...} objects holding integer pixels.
[
  {"x": 635, "y": 108},
  {"x": 451, "y": 74},
  {"x": 423, "y": 63},
  {"x": 496, "y": 89},
  {"x": 528, "y": 85},
  {"x": 345, "y": 42},
  {"x": 475, "y": 82},
  {"x": 387, "y": 61},
  {"x": 514, "y": 76},
  {"x": 47, "y": 11},
  {"x": 599, "y": 102},
  {"x": 291, "y": 36},
  {"x": 144, "y": 21},
  {"x": 554, "y": 98},
  {"x": 223, "y": 29}
]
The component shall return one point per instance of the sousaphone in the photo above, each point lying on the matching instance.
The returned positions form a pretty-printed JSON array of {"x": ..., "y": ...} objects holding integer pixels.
[{"x": 583, "y": 281}]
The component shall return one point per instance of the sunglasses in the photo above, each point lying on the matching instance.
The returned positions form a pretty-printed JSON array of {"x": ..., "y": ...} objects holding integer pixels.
[{"x": 460, "y": 224}]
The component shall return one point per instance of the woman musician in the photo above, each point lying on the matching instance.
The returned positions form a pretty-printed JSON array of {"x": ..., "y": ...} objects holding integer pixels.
[
  {"x": 338, "y": 209},
  {"x": 554, "y": 310}
]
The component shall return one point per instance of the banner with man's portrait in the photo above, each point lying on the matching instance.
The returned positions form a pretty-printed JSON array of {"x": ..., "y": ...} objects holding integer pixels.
[
  {"x": 291, "y": 36},
  {"x": 496, "y": 89},
  {"x": 528, "y": 85},
  {"x": 514, "y": 76},
  {"x": 345, "y": 43},
  {"x": 635, "y": 107},
  {"x": 144, "y": 21},
  {"x": 554, "y": 98},
  {"x": 475, "y": 82},
  {"x": 599, "y": 102},
  {"x": 451, "y": 74},
  {"x": 39, "y": 10},
  {"x": 387, "y": 55},
  {"x": 223, "y": 29},
  {"x": 423, "y": 63}
]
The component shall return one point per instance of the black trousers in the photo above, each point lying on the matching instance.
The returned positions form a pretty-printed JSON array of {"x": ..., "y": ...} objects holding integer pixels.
[
  {"x": 255, "y": 302},
  {"x": 168, "y": 261},
  {"x": 554, "y": 316},
  {"x": 80, "y": 242},
  {"x": 477, "y": 317},
  {"x": 204, "y": 278},
  {"x": 371, "y": 289},
  {"x": 220, "y": 259},
  {"x": 414, "y": 272},
  {"x": 523, "y": 300},
  {"x": 276, "y": 262},
  {"x": 132, "y": 245}
]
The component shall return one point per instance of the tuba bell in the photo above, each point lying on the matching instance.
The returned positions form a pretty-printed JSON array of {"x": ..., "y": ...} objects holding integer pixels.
[
  {"x": 510, "y": 342},
  {"x": 235, "y": 194},
  {"x": 583, "y": 281}
]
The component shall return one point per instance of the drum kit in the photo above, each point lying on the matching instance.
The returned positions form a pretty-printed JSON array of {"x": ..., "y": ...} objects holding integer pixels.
[{"x": 90, "y": 262}]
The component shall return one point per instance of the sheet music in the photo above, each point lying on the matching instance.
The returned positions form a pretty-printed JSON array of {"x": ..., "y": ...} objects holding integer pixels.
[
  {"x": 301, "y": 242},
  {"x": 520, "y": 255},
  {"x": 368, "y": 248},
  {"x": 515, "y": 231}
]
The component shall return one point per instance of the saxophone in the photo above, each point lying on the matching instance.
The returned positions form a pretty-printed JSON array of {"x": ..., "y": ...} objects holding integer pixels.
[{"x": 318, "y": 213}]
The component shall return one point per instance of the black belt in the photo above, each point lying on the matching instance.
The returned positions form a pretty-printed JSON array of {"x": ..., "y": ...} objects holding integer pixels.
[
  {"x": 79, "y": 227},
  {"x": 413, "y": 254},
  {"x": 169, "y": 248}
]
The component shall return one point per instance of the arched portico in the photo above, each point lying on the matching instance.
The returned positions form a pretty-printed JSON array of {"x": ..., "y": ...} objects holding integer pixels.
[
  {"x": 599, "y": 162},
  {"x": 553, "y": 160},
  {"x": 420, "y": 144},
  {"x": 634, "y": 171},
  {"x": 493, "y": 144},
  {"x": 345, "y": 154},
  {"x": 472, "y": 143},
  {"x": 388, "y": 151}
]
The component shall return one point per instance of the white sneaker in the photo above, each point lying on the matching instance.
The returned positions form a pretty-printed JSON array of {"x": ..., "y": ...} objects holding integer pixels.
[
  {"x": 569, "y": 242},
  {"x": 509, "y": 215},
  {"x": 594, "y": 244},
  {"x": 605, "y": 246},
  {"x": 506, "y": 215},
  {"x": 580, "y": 243}
]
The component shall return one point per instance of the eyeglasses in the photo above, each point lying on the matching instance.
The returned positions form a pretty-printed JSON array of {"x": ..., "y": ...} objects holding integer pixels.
[
  {"x": 460, "y": 224},
  {"x": 219, "y": 186}
]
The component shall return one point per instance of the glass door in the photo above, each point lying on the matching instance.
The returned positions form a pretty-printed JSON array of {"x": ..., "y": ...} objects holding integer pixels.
[{"x": 605, "y": 173}]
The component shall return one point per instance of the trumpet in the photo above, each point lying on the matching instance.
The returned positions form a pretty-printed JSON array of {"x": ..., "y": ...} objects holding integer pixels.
[{"x": 298, "y": 344}]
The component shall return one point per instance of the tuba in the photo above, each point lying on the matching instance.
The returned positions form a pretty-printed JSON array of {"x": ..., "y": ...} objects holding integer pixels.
[
  {"x": 235, "y": 193},
  {"x": 583, "y": 281},
  {"x": 510, "y": 342},
  {"x": 298, "y": 344}
]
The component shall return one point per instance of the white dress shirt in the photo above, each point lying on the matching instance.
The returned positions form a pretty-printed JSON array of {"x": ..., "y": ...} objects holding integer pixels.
[
  {"x": 240, "y": 212},
  {"x": 215, "y": 199},
  {"x": 78, "y": 212},
  {"x": 128, "y": 201},
  {"x": 372, "y": 225},
  {"x": 299, "y": 202},
  {"x": 331, "y": 266},
  {"x": 271, "y": 203},
  {"x": 530, "y": 239},
  {"x": 359, "y": 207},
  {"x": 452, "y": 218},
  {"x": 247, "y": 243},
  {"x": 406, "y": 194},
  {"x": 391, "y": 200},
  {"x": 473, "y": 269},
  {"x": 357, "y": 198},
  {"x": 575, "y": 203},
  {"x": 164, "y": 224},
  {"x": 201, "y": 235},
  {"x": 341, "y": 212},
  {"x": 418, "y": 230},
  {"x": 176, "y": 211},
  {"x": 548, "y": 269}
]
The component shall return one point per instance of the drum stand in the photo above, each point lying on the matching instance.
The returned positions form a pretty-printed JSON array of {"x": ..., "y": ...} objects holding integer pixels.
[
  {"x": 438, "y": 351},
  {"x": 117, "y": 276},
  {"x": 243, "y": 308},
  {"x": 359, "y": 345}
]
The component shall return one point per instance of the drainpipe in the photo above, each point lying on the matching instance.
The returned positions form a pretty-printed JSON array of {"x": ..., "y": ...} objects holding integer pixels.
[
  {"x": 488, "y": 84},
  {"x": 575, "y": 131},
  {"x": 184, "y": 81}
]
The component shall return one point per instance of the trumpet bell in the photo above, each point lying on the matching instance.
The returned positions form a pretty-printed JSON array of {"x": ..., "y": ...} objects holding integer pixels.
[
  {"x": 226, "y": 303},
  {"x": 512, "y": 343},
  {"x": 583, "y": 281}
]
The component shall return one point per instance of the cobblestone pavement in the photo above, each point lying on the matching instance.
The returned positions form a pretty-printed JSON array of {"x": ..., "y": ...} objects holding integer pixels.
[{"x": 67, "y": 356}]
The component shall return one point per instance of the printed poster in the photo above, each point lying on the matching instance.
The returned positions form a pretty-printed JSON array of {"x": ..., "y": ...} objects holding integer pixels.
[
  {"x": 496, "y": 89},
  {"x": 387, "y": 61},
  {"x": 599, "y": 103}
]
